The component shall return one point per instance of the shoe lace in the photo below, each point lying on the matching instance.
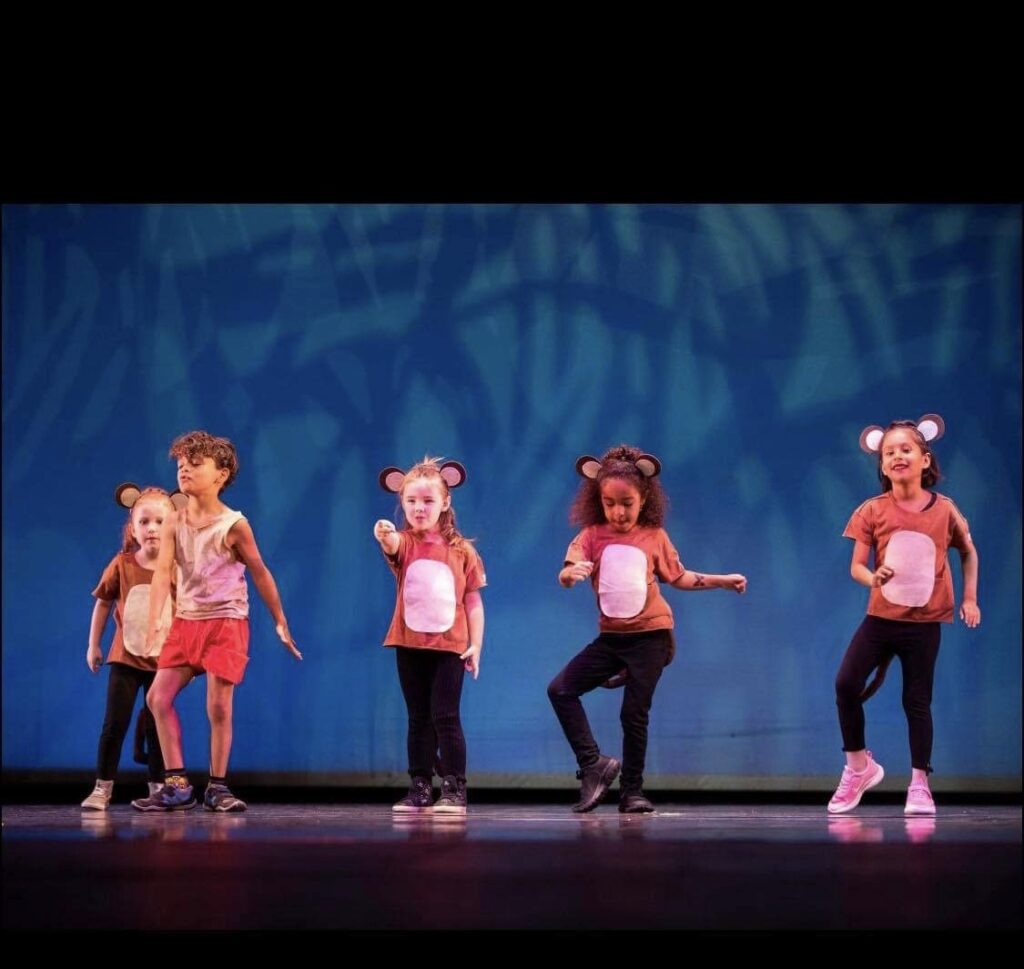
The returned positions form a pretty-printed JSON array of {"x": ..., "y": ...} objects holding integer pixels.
[{"x": 845, "y": 782}]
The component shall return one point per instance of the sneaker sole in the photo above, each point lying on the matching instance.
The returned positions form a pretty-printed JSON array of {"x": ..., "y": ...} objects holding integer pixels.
[
  {"x": 164, "y": 810},
  {"x": 849, "y": 807},
  {"x": 449, "y": 810},
  {"x": 925, "y": 812},
  {"x": 95, "y": 807},
  {"x": 237, "y": 809},
  {"x": 407, "y": 809},
  {"x": 606, "y": 781}
]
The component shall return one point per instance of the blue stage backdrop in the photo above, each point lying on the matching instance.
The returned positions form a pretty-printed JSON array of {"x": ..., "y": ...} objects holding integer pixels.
[{"x": 746, "y": 345}]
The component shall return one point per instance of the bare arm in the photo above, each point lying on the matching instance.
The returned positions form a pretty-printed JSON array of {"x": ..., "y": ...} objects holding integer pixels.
[
  {"x": 100, "y": 614},
  {"x": 475, "y": 618},
  {"x": 243, "y": 543},
  {"x": 970, "y": 613},
  {"x": 693, "y": 581},
  {"x": 160, "y": 584},
  {"x": 384, "y": 532},
  {"x": 576, "y": 572},
  {"x": 860, "y": 571}
]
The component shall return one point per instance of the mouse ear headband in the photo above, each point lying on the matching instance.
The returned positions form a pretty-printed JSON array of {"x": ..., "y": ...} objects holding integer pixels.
[
  {"x": 128, "y": 492},
  {"x": 453, "y": 473},
  {"x": 647, "y": 464},
  {"x": 931, "y": 427}
]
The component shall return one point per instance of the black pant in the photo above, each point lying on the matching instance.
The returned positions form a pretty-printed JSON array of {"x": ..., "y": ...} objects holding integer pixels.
[
  {"x": 644, "y": 655},
  {"x": 877, "y": 641},
  {"x": 122, "y": 688},
  {"x": 432, "y": 686}
]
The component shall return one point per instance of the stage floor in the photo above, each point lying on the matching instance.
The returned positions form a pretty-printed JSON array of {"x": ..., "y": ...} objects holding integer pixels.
[{"x": 512, "y": 867}]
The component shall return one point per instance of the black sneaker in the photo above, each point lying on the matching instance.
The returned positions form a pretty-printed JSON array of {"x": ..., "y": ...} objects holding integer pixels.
[
  {"x": 596, "y": 779},
  {"x": 634, "y": 802},
  {"x": 219, "y": 798},
  {"x": 453, "y": 797},
  {"x": 419, "y": 798}
]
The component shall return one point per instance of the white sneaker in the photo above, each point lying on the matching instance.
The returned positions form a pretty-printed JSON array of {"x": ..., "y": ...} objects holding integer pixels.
[{"x": 99, "y": 800}]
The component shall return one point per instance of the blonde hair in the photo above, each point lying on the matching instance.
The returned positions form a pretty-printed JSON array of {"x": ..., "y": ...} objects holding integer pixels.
[{"x": 429, "y": 469}]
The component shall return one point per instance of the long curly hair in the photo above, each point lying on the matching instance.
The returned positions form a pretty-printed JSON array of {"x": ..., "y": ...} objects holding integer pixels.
[
  {"x": 620, "y": 462},
  {"x": 429, "y": 469},
  {"x": 931, "y": 475}
]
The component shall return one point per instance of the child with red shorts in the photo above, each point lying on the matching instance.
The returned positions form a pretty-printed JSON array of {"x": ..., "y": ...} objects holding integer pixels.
[{"x": 211, "y": 545}]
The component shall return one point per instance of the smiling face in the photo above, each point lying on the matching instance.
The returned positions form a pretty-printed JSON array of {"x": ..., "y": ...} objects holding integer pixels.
[
  {"x": 423, "y": 502},
  {"x": 621, "y": 501},
  {"x": 901, "y": 457}
]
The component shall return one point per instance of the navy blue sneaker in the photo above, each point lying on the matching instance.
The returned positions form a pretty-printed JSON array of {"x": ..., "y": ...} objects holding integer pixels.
[
  {"x": 219, "y": 798},
  {"x": 175, "y": 795}
]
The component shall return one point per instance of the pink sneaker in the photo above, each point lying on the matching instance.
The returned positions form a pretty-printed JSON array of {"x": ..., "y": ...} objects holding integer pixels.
[
  {"x": 919, "y": 801},
  {"x": 853, "y": 784}
]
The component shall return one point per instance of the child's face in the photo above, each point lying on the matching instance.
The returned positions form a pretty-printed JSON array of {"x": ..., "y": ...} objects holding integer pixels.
[
  {"x": 423, "y": 501},
  {"x": 903, "y": 461},
  {"x": 147, "y": 517},
  {"x": 621, "y": 502},
  {"x": 200, "y": 476}
]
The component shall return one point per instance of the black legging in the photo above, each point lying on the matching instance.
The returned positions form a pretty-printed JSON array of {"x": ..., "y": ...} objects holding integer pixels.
[
  {"x": 122, "y": 688},
  {"x": 432, "y": 686},
  {"x": 877, "y": 641},
  {"x": 645, "y": 656}
]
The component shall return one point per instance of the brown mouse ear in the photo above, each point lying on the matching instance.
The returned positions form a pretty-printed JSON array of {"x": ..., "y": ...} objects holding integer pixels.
[
  {"x": 391, "y": 479},
  {"x": 932, "y": 427},
  {"x": 454, "y": 474},
  {"x": 127, "y": 493},
  {"x": 871, "y": 438},
  {"x": 587, "y": 466},
  {"x": 179, "y": 500},
  {"x": 648, "y": 465}
]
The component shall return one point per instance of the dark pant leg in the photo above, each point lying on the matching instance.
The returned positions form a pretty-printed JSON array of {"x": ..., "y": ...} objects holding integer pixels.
[
  {"x": 445, "y": 698},
  {"x": 645, "y": 656},
  {"x": 122, "y": 686},
  {"x": 917, "y": 651},
  {"x": 867, "y": 649},
  {"x": 415, "y": 673},
  {"x": 586, "y": 671}
]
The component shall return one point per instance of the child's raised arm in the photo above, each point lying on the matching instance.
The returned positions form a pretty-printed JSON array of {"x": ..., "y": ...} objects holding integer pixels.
[
  {"x": 575, "y": 572},
  {"x": 693, "y": 581},
  {"x": 384, "y": 532}
]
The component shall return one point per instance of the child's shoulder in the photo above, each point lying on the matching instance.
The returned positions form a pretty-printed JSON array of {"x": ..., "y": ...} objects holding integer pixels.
[
  {"x": 874, "y": 504},
  {"x": 947, "y": 504},
  {"x": 467, "y": 550}
]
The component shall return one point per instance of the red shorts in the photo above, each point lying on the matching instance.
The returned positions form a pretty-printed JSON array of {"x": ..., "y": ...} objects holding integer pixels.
[{"x": 217, "y": 646}]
